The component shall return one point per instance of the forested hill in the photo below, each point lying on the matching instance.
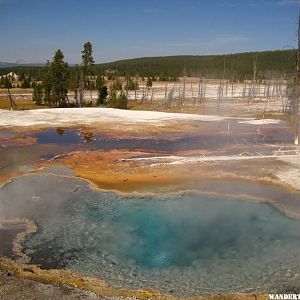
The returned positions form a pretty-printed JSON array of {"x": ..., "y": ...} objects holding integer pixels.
[{"x": 239, "y": 65}]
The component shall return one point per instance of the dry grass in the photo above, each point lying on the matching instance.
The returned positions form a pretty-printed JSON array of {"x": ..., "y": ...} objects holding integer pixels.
[
  {"x": 22, "y": 103},
  {"x": 155, "y": 106},
  {"x": 147, "y": 105},
  {"x": 16, "y": 91}
]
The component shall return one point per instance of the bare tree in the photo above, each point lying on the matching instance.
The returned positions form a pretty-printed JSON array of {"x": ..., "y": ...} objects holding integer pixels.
[
  {"x": 297, "y": 82},
  {"x": 81, "y": 89},
  {"x": 221, "y": 88},
  {"x": 12, "y": 102},
  {"x": 294, "y": 92}
]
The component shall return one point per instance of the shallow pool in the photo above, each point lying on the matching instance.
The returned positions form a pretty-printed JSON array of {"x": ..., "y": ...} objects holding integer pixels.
[{"x": 185, "y": 244}]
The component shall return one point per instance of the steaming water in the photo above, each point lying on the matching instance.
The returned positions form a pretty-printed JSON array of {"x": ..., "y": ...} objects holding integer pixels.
[{"x": 187, "y": 244}]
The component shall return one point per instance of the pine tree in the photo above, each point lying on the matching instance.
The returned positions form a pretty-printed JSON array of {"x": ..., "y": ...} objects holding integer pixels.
[
  {"x": 7, "y": 82},
  {"x": 149, "y": 82},
  {"x": 102, "y": 95},
  {"x": 2, "y": 82},
  {"x": 47, "y": 84},
  {"x": 102, "y": 90},
  {"x": 37, "y": 94},
  {"x": 25, "y": 83},
  {"x": 122, "y": 101},
  {"x": 117, "y": 100},
  {"x": 87, "y": 57},
  {"x": 87, "y": 63},
  {"x": 100, "y": 81},
  {"x": 59, "y": 78},
  {"x": 117, "y": 85}
]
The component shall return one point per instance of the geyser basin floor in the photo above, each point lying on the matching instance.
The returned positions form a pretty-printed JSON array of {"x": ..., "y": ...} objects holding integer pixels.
[
  {"x": 187, "y": 244},
  {"x": 98, "y": 153}
]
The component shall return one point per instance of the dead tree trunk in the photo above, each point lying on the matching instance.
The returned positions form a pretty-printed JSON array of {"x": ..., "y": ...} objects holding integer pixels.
[
  {"x": 91, "y": 94},
  {"x": 294, "y": 92},
  {"x": 199, "y": 92},
  {"x": 183, "y": 94},
  {"x": 297, "y": 84},
  {"x": 12, "y": 102},
  {"x": 81, "y": 91},
  {"x": 221, "y": 89}
]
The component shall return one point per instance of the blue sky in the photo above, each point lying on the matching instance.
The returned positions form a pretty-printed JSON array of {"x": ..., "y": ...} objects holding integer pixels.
[{"x": 31, "y": 30}]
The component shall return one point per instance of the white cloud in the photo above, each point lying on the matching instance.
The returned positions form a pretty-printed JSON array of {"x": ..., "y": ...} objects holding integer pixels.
[
  {"x": 259, "y": 3},
  {"x": 289, "y": 2},
  {"x": 249, "y": 3}
]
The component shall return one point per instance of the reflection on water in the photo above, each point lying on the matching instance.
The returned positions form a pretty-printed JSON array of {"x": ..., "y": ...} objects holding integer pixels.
[
  {"x": 166, "y": 143},
  {"x": 18, "y": 149},
  {"x": 58, "y": 136},
  {"x": 191, "y": 244}
]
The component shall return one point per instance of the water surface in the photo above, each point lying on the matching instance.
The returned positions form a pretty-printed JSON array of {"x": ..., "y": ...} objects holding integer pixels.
[{"x": 187, "y": 244}]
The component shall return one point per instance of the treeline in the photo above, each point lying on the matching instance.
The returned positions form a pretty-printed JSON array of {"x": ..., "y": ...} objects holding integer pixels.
[
  {"x": 237, "y": 66},
  {"x": 56, "y": 80},
  {"x": 232, "y": 66},
  {"x": 29, "y": 71}
]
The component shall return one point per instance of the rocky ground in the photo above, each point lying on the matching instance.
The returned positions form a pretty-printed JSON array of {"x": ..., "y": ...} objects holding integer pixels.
[{"x": 14, "y": 288}]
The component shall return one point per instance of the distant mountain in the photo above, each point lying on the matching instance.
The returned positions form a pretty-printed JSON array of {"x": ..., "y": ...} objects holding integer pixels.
[
  {"x": 7, "y": 65},
  {"x": 19, "y": 64}
]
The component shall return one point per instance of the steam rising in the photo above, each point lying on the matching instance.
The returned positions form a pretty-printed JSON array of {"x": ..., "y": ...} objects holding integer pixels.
[{"x": 191, "y": 244}]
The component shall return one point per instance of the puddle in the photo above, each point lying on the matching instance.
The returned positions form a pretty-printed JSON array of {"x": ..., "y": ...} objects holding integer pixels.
[
  {"x": 190, "y": 244},
  {"x": 21, "y": 149},
  {"x": 58, "y": 137},
  {"x": 19, "y": 160},
  {"x": 8, "y": 233},
  {"x": 213, "y": 140}
]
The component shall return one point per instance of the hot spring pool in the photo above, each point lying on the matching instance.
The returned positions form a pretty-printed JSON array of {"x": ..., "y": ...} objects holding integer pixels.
[{"x": 186, "y": 244}]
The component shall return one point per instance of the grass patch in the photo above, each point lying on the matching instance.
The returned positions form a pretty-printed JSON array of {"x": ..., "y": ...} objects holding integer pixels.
[{"x": 21, "y": 104}]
